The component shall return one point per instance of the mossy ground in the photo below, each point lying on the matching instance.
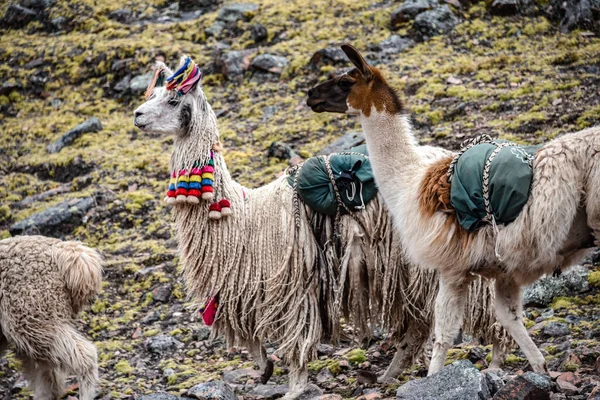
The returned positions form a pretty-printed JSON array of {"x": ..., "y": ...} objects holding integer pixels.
[{"x": 520, "y": 79}]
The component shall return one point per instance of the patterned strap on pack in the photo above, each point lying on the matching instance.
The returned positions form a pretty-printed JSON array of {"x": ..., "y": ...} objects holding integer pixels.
[
  {"x": 489, "y": 215},
  {"x": 466, "y": 145}
]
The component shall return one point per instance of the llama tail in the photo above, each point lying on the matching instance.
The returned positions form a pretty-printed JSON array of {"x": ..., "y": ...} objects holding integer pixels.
[{"x": 82, "y": 270}]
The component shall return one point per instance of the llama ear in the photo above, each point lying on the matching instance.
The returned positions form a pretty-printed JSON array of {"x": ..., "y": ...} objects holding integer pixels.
[
  {"x": 162, "y": 66},
  {"x": 358, "y": 60}
]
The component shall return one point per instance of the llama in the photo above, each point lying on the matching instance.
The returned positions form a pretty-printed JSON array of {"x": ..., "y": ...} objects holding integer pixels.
[
  {"x": 276, "y": 279},
  {"x": 554, "y": 230},
  {"x": 44, "y": 283}
]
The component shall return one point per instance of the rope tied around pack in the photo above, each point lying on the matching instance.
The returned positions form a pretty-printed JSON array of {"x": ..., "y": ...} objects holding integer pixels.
[{"x": 486, "y": 175}]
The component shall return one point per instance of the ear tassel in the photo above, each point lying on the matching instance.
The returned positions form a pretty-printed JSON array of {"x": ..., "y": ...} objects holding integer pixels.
[
  {"x": 157, "y": 81},
  {"x": 188, "y": 187}
]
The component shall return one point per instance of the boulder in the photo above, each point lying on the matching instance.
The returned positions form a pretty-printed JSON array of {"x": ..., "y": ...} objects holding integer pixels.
[
  {"x": 233, "y": 63},
  {"x": 17, "y": 16},
  {"x": 575, "y": 14},
  {"x": 528, "y": 386},
  {"x": 394, "y": 44},
  {"x": 269, "y": 63},
  {"x": 328, "y": 56},
  {"x": 91, "y": 125},
  {"x": 269, "y": 391},
  {"x": 504, "y": 7},
  {"x": 556, "y": 329},
  {"x": 438, "y": 21},
  {"x": 410, "y": 9},
  {"x": 139, "y": 84},
  {"x": 231, "y": 13},
  {"x": 212, "y": 390},
  {"x": 569, "y": 283},
  {"x": 457, "y": 381},
  {"x": 57, "y": 220},
  {"x": 161, "y": 344}
]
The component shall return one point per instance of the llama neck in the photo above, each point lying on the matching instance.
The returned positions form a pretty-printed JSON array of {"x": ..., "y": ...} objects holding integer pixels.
[{"x": 393, "y": 151}]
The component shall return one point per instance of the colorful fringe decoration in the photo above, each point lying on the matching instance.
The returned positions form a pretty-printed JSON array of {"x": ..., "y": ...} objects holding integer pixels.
[
  {"x": 198, "y": 184},
  {"x": 157, "y": 81},
  {"x": 184, "y": 79}
]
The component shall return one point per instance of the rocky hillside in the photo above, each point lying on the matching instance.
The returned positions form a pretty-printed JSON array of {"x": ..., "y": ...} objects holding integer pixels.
[{"x": 73, "y": 166}]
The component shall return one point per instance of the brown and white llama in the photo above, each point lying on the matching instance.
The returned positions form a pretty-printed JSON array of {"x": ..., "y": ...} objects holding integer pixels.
[
  {"x": 555, "y": 229},
  {"x": 289, "y": 283}
]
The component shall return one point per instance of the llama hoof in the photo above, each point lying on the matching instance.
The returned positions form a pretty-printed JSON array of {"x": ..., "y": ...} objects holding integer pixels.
[{"x": 264, "y": 378}]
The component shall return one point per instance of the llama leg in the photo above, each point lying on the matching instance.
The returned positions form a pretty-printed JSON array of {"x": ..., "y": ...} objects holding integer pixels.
[
  {"x": 79, "y": 357},
  {"x": 449, "y": 311},
  {"x": 298, "y": 380},
  {"x": 509, "y": 312},
  {"x": 45, "y": 380},
  {"x": 259, "y": 355},
  {"x": 3, "y": 343},
  {"x": 497, "y": 355},
  {"x": 407, "y": 351}
]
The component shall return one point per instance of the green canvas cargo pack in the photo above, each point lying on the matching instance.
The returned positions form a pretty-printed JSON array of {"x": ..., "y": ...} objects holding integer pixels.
[
  {"x": 510, "y": 179},
  {"x": 353, "y": 177}
]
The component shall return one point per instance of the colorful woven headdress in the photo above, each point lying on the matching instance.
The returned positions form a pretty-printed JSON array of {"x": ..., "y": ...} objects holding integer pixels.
[{"x": 183, "y": 80}]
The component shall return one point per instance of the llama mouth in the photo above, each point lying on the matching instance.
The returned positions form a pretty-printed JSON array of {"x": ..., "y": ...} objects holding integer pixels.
[{"x": 316, "y": 105}]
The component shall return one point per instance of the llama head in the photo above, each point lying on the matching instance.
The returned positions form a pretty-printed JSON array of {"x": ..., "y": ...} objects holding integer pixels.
[
  {"x": 173, "y": 100},
  {"x": 357, "y": 92}
]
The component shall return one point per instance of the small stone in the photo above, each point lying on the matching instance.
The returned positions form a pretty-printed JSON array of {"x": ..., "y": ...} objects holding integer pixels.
[
  {"x": 328, "y": 56},
  {"x": 281, "y": 150},
  {"x": 203, "y": 333},
  {"x": 189, "y": 5},
  {"x": 453, "y": 81},
  {"x": 557, "y": 102},
  {"x": 8, "y": 87},
  {"x": 344, "y": 364},
  {"x": 269, "y": 63},
  {"x": 366, "y": 377},
  {"x": 123, "y": 84},
  {"x": 162, "y": 293},
  {"x": 494, "y": 381},
  {"x": 234, "y": 12},
  {"x": 137, "y": 333},
  {"x": 269, "y": 391},
  {"x": 122, "y": 15},
  {"x": 233, "y": 63},
  {"x": 258, "y": 33},
  {"x": 345, "y": 143},
  {"x": 544, "y": 290},
  {"x": 410, "y": 9},
  {"x": 538, "y": 380},
  {"x": 162, "y": 343},
  {"x": 394, "y": 44},
  {"x": 59, "y": 23},
  {"x": 91, "y": 125},
  {"x": 568, "y": 383},
  {"x": 212, "y": 390},
  {"x": 158, "y": 396},
  {"x": 522, "y": 388},
  {"x": 215, "y": 29},
  {"x": 504, "y": 7},
  {"x": 324, "y": 375},
  {"x": 330, "y": 397},
  {"x": 241, "y": 375},
  {"x": 556, "y": 329}
]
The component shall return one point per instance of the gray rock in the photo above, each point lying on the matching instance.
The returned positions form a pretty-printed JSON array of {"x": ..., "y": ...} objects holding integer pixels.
[
  {"x": 540, "y": 381},
  {"x": 269, "y": 391},
  {"x": 269, "y": 63},
  {"x": 189, "y": 5},
  {"x": 494, "y": 382},
  {"x": 215, "y": 29},
  {"x": 37, "y": 4},
  {"x": 158, "y": 396},
  {"x": 310, "y": 392},
  {"x": 212, "y": 390},
  {"x": 325, "y": 349},
  {"x": 523, "y": 388},
  {"x": 394, "y": 44},
  {"x": 91, "y": 125},
  {"x": 122, "y": 15},
  {"x": 345, "y": 143},
  {"x": 151, "y": 317},
  {"x": 556, "y": 329},
  {"x": 410, "y": 9},
  {"x": 438, "y": 21},
  {"x": 504, "y": 7},
  {"x": 8, "y": 87},
  {"x": 59, "y": 23},
  {"x": 241, "y": 375},
  {"x": 203, "y": 333},
  {"x": 57, "y": 220},
  {"x": 569, "y": 283},
  {"x": 457, "y": 381},
  {"x": 162, "y": 343},
  {"x": 234, "y": 12},
  {"x": 233, "y": 63},
  {"x": 575, "y": 14},
  {"x": 123, "y": 84},
  {"x": 324, "y": 375},
  {"x": 258, "y": 33},
  {"x": 281, "y": 150},
  {"x": 328, "y": 56},
  {"x": 139, "y": 84},
  {"x": 162, "y": 293},
  {"x": 17, "y": 16},
  {"x": 27, "y": 201}
]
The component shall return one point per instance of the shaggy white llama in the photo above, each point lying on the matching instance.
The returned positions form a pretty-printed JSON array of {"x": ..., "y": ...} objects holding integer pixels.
[
  {"x": 281, "y": 282},
  {"x": 44, "y": 283},
  {"x": 553, "y": 230}
]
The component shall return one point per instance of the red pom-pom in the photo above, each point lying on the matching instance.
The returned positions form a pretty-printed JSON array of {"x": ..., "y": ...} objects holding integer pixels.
[
  {"x": 208, "y": 189},
  {"x": 194, "y": 192},
  {"x": 215, "y": 207},
  {"x": 224, "y": 203}
]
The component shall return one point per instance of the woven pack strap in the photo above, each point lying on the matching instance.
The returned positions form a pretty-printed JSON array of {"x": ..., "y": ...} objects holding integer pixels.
[{"x": 466, "y": 145}]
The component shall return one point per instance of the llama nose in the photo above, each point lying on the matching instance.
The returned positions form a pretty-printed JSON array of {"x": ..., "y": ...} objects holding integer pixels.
[
  {"x": 310, "y": 92},
  {"x": 137, "y": 114}
]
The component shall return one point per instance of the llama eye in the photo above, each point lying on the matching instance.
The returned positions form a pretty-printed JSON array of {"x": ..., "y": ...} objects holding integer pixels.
[
  {"x": 345, "y": 84},
  {"x": 173, "y": 102}
]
